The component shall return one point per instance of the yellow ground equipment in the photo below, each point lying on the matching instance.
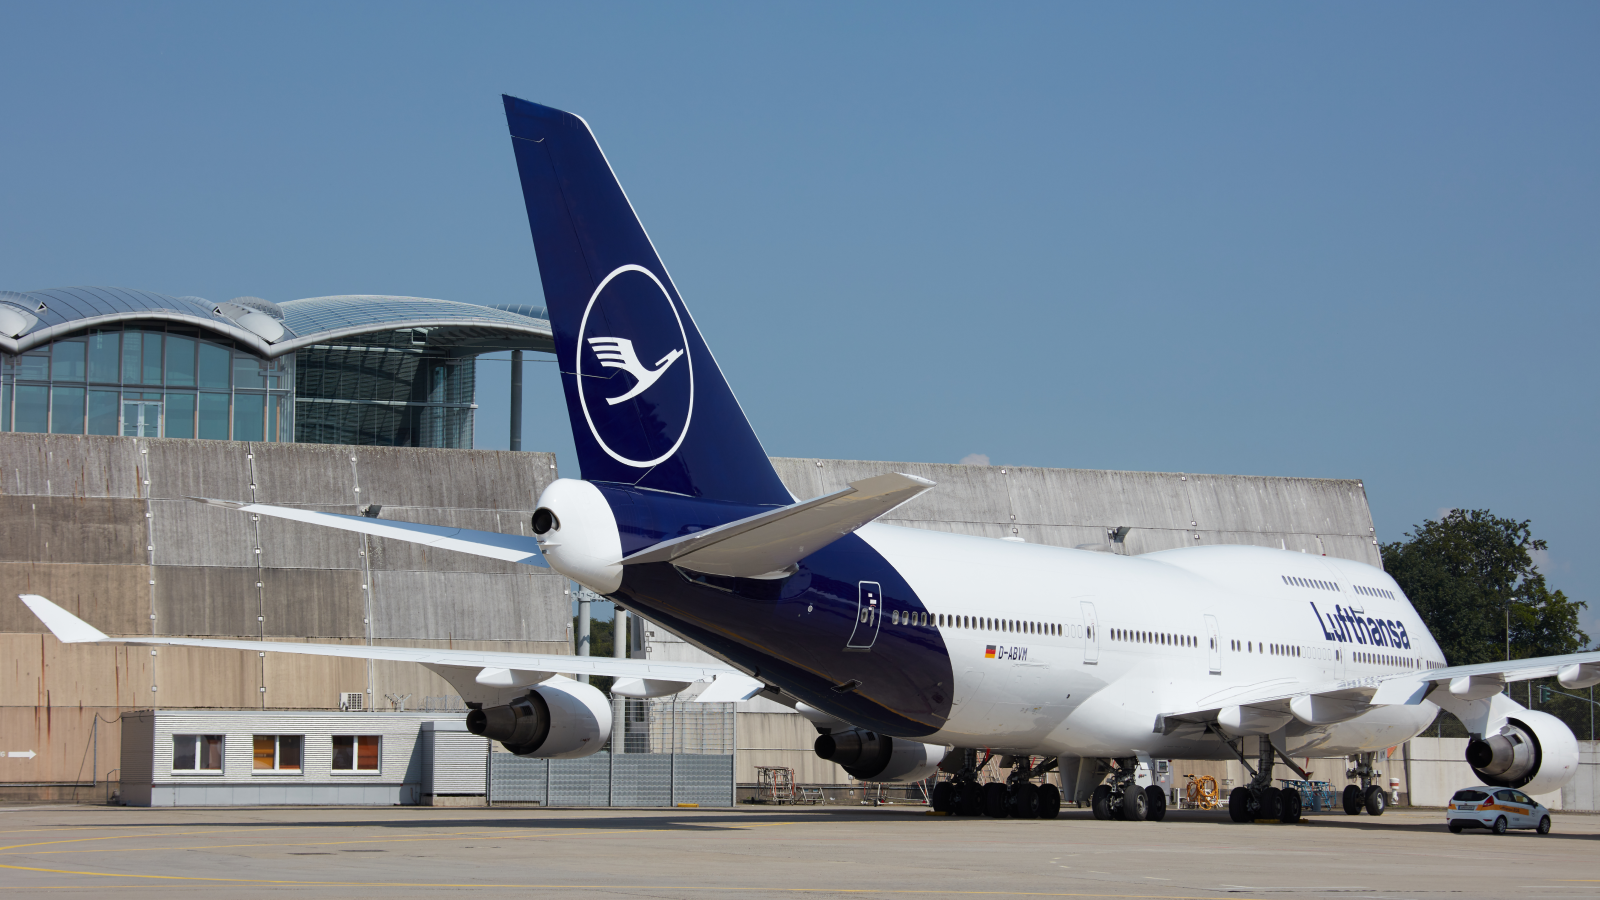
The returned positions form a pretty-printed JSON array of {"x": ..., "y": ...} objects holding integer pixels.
[{"x": 1202, "y": 792}]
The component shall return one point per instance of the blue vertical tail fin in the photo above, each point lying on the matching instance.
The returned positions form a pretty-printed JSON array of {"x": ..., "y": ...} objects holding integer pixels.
[{"x": 647, "y": 402}]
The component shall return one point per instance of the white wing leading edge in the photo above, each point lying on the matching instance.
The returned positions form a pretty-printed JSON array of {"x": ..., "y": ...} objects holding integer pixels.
[
  {"x": 508, "y": 547},
  {"x": 467, "y": 670}
]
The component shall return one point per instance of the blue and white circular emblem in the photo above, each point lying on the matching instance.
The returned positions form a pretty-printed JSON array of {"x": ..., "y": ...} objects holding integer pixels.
[{"x": 635, "y": 377}]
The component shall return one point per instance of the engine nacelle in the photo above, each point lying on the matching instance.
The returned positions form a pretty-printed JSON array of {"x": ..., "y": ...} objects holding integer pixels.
[
  {"x": 1534, "y": 751},
  {"x": 869, "y": 756},
  {"x": 559, "y": 719}
]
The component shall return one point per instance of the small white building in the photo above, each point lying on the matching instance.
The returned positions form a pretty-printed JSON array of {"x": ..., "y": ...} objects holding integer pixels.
[{"x": 195, "y": 757}]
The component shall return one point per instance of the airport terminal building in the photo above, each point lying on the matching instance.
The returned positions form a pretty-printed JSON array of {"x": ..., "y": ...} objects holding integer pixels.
[{"x": 362, "y": 370}]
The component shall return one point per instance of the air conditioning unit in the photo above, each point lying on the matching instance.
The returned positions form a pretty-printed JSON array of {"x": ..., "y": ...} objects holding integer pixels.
[{"x": 353, "y": 701}]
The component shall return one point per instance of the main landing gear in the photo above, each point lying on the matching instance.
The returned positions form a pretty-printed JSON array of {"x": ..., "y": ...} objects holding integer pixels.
[
  {"x": 1259, "y": 800},
  {"x": 1015, "y": 798},
  {"x": 1122, "y": 799},
  {"x": 1367, "y": 796}
]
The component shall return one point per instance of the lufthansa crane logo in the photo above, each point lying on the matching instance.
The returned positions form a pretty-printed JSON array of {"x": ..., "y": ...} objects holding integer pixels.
[
  {"x": 638, "y": 413},
  {"x": 618, "y": 353}
]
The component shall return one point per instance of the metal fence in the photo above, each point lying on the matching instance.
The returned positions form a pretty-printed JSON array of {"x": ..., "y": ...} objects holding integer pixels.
[
  {"x": 675, "y": 753},
  {"x": 606, "y": 779},
  {"x": 673, "y": 726}
]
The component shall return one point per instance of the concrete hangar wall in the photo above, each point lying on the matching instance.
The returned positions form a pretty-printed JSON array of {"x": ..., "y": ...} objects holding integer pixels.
[{"x": 102, "y": 525}]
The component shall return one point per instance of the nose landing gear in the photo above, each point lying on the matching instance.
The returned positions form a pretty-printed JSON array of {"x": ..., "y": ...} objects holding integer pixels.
[{"x": 1368, "y": 796}]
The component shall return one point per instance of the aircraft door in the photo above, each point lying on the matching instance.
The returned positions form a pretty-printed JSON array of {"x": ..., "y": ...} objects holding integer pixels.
[
  {"x": 1091, "y": 635},
  {"x": 1214, "y": 637},
  {"x": 869, "y": 616}
]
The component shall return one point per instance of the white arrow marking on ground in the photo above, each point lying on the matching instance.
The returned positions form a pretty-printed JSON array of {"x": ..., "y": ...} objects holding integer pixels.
[{"x": 26, "y": 754}]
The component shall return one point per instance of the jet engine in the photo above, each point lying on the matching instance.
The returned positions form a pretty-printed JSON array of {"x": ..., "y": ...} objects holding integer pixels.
[
  {"x": 1534, "y": 752},
  {"x": 555, "y": 720},
  {"x": 869, "y": 756}
]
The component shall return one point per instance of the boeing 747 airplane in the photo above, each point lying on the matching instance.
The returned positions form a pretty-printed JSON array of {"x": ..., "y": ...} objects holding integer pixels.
[{"x": 912, "y": 651}]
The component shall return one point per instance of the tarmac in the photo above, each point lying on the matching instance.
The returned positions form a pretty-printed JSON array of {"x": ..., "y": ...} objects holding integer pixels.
[{"x": 771, "y": 852}]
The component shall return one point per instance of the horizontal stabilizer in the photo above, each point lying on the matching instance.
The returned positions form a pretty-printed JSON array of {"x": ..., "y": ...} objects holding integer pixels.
[
  {"x": 491, "y": 670},
  {"x": 771, "y": 542},
  {"x": 508, "y": 547}
]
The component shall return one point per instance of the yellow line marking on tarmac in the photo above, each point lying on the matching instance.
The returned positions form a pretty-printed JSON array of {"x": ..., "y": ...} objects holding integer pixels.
[
  {"x": 623, "y": 887},
  {"x": 505, "y": 834}
]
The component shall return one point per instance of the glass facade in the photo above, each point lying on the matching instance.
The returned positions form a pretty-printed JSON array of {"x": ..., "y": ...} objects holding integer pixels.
[
  {"x": 388, "y": 389},
  {"x": 148, "y": 380}
]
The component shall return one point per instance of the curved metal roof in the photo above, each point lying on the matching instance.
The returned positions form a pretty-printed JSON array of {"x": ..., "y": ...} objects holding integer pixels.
[{"x": 273, "y": 330}]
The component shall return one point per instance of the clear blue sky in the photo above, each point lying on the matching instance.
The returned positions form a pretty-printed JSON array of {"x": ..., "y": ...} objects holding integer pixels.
[{"x": 1342, "y": 240}]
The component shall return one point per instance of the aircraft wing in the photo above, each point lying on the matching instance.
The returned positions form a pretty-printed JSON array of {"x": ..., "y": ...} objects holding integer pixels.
[
  {"x": 1282, "y": 699},
  {"x": 463, "y": 668},
  {"x": 1474, "y": 682},
  {"x": 509, "y": 547},
  {"x": 772, "y": 541}
]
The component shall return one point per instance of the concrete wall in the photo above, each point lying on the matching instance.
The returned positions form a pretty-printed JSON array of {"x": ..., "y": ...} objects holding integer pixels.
[
  {"x": 103, "y": 526},
  {"x": 1076, "y": 507}
]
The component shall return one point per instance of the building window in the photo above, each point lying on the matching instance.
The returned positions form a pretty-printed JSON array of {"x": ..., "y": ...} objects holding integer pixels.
[
  {"x": 277, "y": 752},
  {"x": 356, "y": 752},
  {"x": 149, "y": 380},
  {"x": 197, "y": 753}
]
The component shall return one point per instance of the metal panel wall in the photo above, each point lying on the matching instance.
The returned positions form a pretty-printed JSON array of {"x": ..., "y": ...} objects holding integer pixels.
[
  {"x": 629, "y": 779},
  {"x": 454, "y": 760}
]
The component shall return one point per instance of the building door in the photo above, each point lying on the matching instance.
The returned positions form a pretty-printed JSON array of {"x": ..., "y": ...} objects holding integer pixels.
[
  {"x": 1214, "y": 639},
  {"x": 141, "y": 419},
  {"x": 869, "y": 615},
  {"x": 1091, "y": 635}
]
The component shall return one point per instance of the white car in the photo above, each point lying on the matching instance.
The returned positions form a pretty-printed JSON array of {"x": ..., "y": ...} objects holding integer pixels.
[{"x": 1497, "y": 809}]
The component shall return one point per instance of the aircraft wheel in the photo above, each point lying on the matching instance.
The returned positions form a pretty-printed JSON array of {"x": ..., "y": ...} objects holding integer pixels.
[
  {"x": 1501, "y": 825},
  {"x": 1135, "y": 804},
  {"x": 1241, "y": 806},
  {"x": 1101, "y": 803},
  {"x": 994, "y": 800},
  {"x": 1377, "y": 801},
  {"x": 1025, "y": 801},
  {"x": 1155, "y": 801},
  {"x": 1270, "y": 806},
  {"x": 1544, "y": 825},
  {"x": 1289, "y": 807},
  {"x": 943, "y": 799},
  {"x": 969, "y": 799},
  {"x": 1352, "y": 799},
  {"x": 1049, "y": 801}
]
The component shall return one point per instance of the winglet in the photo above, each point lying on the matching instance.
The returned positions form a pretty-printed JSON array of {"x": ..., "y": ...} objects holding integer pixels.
[{"x": 68, "y": 628}]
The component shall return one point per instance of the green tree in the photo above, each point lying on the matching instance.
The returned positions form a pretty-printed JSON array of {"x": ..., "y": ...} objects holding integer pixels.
[
  {"x": 1469, "y": 575},
  {"x": 599, "y": 645}
]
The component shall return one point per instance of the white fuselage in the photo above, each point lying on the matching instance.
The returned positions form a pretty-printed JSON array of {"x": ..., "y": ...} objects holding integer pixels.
[{"x": 1090, "y": 648}]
